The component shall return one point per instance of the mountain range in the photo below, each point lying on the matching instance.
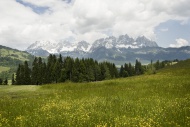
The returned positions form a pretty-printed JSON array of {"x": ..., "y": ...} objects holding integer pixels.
[{"x": 119, "y": 50}]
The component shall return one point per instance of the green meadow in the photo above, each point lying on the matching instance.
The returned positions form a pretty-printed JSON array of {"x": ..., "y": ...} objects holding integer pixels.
[{"x": 157, "y": 100}]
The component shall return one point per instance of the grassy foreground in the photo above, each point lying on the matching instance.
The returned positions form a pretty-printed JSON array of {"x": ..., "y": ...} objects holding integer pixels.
[{"x": 160, "y": 100}]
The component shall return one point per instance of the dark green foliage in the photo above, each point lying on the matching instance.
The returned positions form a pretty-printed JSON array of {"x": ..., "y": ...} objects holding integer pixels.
[
  {"x": 58, "y": 69},
  {"x": 27, "y": 71},
  {"x": 5, "y": 82},
  {"x": 138, "y": 68},
  {"x": 61, "y": 70},
  {"x": 128, "y": 70},
  {"x": 18, "y": 76},
  {"x": 34, "y": 73},
  {"x": 158, "y": 65},
  {"x": 1, "y": 81},
  {"x": 13, "y": 79},
  {"x": 23, "y": 75}
]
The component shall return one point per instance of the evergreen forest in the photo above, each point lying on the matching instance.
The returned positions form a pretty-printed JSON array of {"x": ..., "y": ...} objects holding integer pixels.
[{"x": 58, "y": 69}]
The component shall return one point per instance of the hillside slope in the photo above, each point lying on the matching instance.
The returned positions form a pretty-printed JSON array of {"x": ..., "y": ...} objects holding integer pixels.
[
  {"x": 158, "y": 100},
  {"x": 10, "y": 58}
]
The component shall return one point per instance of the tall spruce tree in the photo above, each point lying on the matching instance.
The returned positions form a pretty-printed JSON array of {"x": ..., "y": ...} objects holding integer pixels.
[
  {"x": 22, "y": 75},
  {"x": 97, "y": 72},
  {"x": 5, "y": 82},
  {"x": 138, "y": 68},
  {"x": 27, "y": 71},
  {"x": 34, "y": 74},
  {"x": 13, "y": 79},
  {"x": 40, "y": 72},
  {"x": 121, "y": 71},
  {"x": 76, "y": 71},
  {"x": 1, "y": 81},
  {"x": 82, "y": 71}
]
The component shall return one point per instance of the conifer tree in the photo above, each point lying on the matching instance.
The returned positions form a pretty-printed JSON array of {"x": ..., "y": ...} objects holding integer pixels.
[
  {"x": 97, "y": 72},
  {"x": 56, "y": 71},
  {"x": 18, "y": 77},
  {"x": 68, "y": 65},
  {"x": 13, "y": 79},
  {"x": 115, "y": 71},
  {"x": 5, "y": 81},
  {"x": 82, "y": 71},
  {"x": 63, "y": 76},
  {"x": 131, "y": 70},
  {"x": 138, "y": 68},
  {"x": 44, "y": 70},
  {"x": 22, "y": 75},
  {"x": 34, "y": 74},
  {"x": 121, "y": 71},
  {"x": 105, "y": 73},
  {"x": 1, "y": 81},
  {"x": 40, "y": 72},
  {"x": 27, "y": 71},
  {"x": 75, "y": 71}
]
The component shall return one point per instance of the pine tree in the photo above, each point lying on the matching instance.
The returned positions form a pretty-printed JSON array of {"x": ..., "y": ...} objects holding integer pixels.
[
  {"x": 126, "y": 68},
  {"x": 34, "y": 74},
  {"x": 82, "y": 71},
  {"x": 68, "y": 66},
  {"x": 44, "y": 70},
  {"x": 75, "y": 71},
  {"x": 131, "y": 70},
  {"x": 5, "y": 81},
  {"x": 22, "y": 75},
  {"x": 157, "y": 65},
  {"x": 105, "y": 73},
  {"x": 121, "y": 71},
  {"x": 27, "y": 71},
  {"x": 63, "y": 76},
  {"x": 40, "y": 72},
  {"x": 1, "y": 81},
  {"x": 97, "y": 72},
  {"x": 138, "y": 68},
  {"x": 18, "y": 78},
  {"x": 116, "y": 74},
  {"x": 56, "y": 71},
  {"x": 13, "y": 79}
]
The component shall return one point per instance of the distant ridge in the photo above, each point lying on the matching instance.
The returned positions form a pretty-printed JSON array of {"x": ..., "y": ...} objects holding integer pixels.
[{"x": 114, "y": 49}]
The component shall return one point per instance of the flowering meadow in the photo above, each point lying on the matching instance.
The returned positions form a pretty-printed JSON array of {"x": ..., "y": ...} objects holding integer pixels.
[{"x": 157, "y": 100}]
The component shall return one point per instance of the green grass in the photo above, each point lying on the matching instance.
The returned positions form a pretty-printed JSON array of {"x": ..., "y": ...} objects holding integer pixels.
[
  {"x": 14, "y": 54},
  {"x": 160, "y": 100}
]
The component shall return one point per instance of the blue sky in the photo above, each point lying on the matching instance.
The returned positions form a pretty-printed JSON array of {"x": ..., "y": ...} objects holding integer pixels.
[
  {"x": 37, "y": 9},
  {"x": 171, "y": 30},
  {"x": 25, "y": 21}
]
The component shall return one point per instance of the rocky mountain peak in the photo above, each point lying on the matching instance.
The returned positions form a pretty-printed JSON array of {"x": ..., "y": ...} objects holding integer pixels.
[
  {"x": 65, "y": 46},
  {"x": 145, "y": 42}
]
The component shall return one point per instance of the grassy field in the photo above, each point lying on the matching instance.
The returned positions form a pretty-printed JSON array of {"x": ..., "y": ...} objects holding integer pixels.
[
  {"x": 159, "y": 100},
  {"x": 14, "y": 54}
]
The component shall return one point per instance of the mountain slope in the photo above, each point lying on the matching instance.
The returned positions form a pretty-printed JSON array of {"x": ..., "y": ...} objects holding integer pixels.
[
  {"x": 10, "y": 58},
  {"x": 159, "y": 100},
  {"x": 119, "y": 50}
]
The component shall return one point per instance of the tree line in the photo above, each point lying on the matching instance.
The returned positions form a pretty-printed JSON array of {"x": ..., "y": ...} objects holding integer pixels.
[{"x": 58, "y": 69}]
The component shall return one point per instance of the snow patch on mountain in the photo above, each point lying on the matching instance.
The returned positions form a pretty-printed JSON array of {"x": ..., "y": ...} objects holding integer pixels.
[{"x": 123, "y": 41}]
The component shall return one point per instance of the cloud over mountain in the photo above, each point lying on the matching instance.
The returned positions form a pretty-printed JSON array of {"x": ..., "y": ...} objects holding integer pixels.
[
  {"x": 26, "y": 21},
  {"x": 179, "y": 43}
]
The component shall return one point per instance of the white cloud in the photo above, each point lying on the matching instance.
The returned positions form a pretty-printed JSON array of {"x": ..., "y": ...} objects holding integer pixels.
[
  {"x": 85, "y": 19},
  {"x": 179, "y": 43}
]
